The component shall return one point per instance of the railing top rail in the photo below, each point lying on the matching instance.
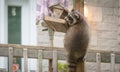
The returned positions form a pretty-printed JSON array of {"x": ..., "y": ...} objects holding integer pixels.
[
  {"x": 53, "y": 48},
  {"x": 48, "y": 52},
  {"x": 31, "y": 47}
]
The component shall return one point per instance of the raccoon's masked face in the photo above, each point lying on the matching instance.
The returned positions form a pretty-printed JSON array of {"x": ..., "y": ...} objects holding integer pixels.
[{"x": 73, "y": 17}]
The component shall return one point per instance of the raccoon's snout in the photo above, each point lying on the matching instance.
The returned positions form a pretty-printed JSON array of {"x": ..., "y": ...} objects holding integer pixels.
[{"x": 68, "y": 20}]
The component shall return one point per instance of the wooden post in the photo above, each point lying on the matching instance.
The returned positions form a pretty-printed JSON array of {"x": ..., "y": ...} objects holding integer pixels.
[
  {"x": 54, "y": 60},
  {"x": 10, "y": 59},
  {"x": 50, "y": 65},
  {"x": 80, "y": 66},
  {"x": 112, "y": 62},
  {"x": 79, "y": 5},
  {"x": 25, "y": 56},
  {"x": 40, "y": 56},
  {"x": 51, "y": 33},
  {"x": 98, "y": 61}
]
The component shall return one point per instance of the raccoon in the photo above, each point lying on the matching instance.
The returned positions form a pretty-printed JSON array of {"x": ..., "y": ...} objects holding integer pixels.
[{"x": 76, "y": 39}]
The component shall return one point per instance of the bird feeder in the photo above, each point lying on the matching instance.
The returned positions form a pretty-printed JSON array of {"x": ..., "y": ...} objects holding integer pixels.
[{"x": 56, "y": 22}]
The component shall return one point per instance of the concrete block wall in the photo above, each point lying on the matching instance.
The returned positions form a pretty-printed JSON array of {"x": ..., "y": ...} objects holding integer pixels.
[
  {"x": 44, "y": 40},
  {"x": 103, "y": 17},
  {"x": 42, "y": 36},
  {"x": 119, "y": 26}
]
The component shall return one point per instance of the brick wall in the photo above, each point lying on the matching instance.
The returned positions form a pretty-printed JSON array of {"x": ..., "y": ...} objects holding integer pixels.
[
  {"x": 103, "y": 17},
  {"x": 119, "y": 26},
  {"x": 42, "y": 36}
]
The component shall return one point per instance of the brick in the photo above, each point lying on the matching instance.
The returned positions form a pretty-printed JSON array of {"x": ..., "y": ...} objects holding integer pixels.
[
  {"x": 108, "y": 35},
  {"x": 92, "y": 47},
  {"x": 94, "y": 14},
  {"x": 110, "y": 18},
  {"x": 43, "y": 38},
  {"x": 93, "y": 25},
  {"x": 108, "y": 11},
  {"x": 116, "y": 11},
  {"x": 119, "y": 12},
  {"x": 58, "y": 41},
  {"x": 119, "y": 30},
  {"x": 119, "y": 39},
  {"x": 119, "y": 35},
  {"x": 119, "y": 21},
  {"x": 109, "y": 48},
  {"x": 111, "y": 3},
  {"x": 110, "y": 43},
  {"x": 103, "y": 3},
  {"x": 107, "y": 26},
  {"x": 98, "y": 3},
  {"x": 93, "y": 38},
  {"x": 119, "y": 3}
]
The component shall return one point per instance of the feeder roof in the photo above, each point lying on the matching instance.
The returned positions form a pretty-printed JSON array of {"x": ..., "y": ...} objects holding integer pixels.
[{"x": 57, "y": 6}]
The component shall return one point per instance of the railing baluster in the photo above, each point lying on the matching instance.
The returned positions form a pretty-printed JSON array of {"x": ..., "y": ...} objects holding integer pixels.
[
  {"x": 10, "y": 58},
  {"x": 55, "y": 61},
  {"x": 25, "y": 56},
  {"x": 98, "y": 60},
  {"x": 40, "y": 60},
  {"x": 112, "y": 62}
]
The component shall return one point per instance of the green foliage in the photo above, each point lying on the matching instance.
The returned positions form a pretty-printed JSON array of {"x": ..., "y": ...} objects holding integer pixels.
[{"x": 62, "y": 67}]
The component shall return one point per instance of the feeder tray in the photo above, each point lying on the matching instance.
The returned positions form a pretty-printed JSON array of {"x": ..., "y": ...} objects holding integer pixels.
[{"x": 56, "y": 24}]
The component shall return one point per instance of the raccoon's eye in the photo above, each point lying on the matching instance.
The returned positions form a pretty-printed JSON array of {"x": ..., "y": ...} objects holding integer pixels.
[
  {"x": 76, "y": 15},
  {"x": 70, "y": 18}
]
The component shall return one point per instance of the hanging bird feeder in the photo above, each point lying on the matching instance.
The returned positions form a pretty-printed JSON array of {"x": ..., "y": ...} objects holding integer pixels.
[{"x": 56, "y": 21}]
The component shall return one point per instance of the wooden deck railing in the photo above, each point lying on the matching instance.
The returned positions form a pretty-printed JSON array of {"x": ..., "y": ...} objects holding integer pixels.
[{"x": 55, "y": 53}]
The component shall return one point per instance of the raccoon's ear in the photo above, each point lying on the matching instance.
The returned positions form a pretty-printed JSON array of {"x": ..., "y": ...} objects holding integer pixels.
[
  {"x": 72, "y": 10},
  {"x": 77, "y": 15}
]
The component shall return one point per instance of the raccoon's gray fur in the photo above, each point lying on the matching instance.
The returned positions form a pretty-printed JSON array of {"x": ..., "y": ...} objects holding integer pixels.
[{"x": 76, "y": 39}]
